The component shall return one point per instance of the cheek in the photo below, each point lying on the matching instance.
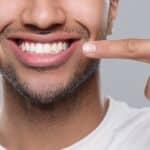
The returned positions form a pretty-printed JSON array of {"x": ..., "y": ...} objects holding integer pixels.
[
  {"x": 91, "y": 13},
  {"x": 9, "y": 11}
]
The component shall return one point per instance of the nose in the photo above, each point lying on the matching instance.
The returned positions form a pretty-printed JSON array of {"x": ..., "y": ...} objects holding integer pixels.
[{"x": 43, "y": 14}]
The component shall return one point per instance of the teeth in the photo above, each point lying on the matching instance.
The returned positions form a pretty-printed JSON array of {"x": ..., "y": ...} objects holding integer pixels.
[
  {"x": 54, "y": 48},
  {"x": 27, "y": 46},
  {"x": 32, "y": 47},
  {"x": 22, "y": 46},
  {"x": 46, "y": 48},
  {"x": 39, "y": 48},
  {"x": 59, "y": 46}
]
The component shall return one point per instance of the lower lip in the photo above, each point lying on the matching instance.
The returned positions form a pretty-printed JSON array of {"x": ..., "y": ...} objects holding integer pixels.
[{"x": 42, "y": 60}]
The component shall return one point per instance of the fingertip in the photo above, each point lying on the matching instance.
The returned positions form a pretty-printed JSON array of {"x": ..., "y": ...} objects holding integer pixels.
[{"x": 89, "y": 48}]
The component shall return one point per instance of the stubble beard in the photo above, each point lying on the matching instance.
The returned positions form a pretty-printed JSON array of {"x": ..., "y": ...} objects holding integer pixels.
[{"x": 51, "y": 97}]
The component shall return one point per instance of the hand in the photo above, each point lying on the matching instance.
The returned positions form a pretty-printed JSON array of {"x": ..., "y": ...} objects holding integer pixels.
[{"x": 135, "y": 49}]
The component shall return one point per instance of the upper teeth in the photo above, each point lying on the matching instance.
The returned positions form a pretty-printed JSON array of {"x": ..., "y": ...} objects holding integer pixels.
[{"x": 42, "y": 48}]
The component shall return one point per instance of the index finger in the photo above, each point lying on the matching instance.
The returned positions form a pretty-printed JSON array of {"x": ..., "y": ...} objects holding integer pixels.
[{"x": 125, "y": 48}]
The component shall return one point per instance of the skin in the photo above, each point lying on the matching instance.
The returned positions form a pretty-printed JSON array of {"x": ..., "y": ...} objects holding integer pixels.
[
  {"x": 133, "y": 49},
  {"x": 22, "y": 125},
  {"x": 62, "y": 123}
]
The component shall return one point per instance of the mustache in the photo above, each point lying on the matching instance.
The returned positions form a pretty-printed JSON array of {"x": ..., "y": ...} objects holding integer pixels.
[{"x": 71, "y": 30}]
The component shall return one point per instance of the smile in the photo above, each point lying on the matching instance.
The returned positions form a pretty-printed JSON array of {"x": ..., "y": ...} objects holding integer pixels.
[
  {"x": 46, "y": 48},
  {"x": 43, "y": 50}
]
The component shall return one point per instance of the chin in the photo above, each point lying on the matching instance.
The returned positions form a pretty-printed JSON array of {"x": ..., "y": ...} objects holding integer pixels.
[
  {"x": 44, "y": 89},
  {"x": 47, "y": 91},
  {"x": 44, "y": 96}
]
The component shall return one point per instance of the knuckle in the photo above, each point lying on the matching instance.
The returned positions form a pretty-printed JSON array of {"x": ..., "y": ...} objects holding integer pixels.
[{"x": 131, "y": 46}]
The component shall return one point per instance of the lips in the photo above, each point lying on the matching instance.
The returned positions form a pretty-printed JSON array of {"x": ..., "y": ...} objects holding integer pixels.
[{"x": 45, "y": 59}]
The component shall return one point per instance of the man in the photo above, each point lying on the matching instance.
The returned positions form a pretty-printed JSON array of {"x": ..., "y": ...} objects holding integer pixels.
[{"x": 52, "y": 98}]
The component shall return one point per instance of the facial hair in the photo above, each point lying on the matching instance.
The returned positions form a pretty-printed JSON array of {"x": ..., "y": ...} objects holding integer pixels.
[
  {"x": 59, "y": 93},
  {"x": 50, "y": 97}
]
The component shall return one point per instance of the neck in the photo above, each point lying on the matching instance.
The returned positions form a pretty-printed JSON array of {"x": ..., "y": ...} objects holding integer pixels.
[{"x": 55, "y": 126}]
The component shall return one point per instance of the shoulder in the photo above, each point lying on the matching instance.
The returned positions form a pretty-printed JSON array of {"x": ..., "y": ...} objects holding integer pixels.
[
  {"x": 129, "y": 116},
  {"x": 132, "y": 126}
]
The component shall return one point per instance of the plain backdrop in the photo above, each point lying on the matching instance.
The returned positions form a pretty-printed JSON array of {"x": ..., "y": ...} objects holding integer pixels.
[{"x": 125, "y": 80}]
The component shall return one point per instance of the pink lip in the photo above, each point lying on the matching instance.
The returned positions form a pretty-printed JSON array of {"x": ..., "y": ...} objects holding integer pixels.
[
  {"x": 43, "y": 60},
  {"x": 52, "y": 37}
]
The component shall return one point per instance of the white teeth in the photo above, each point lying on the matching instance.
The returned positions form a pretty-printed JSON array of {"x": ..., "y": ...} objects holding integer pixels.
[
  {"x": 44, "y": 48},
  {"x": 54, "y": 47},
  {"x": 27, "y": 46},
  {"x": 39, "y": 48},
  {"x": 32, "y": 47},
  {"x": 59, "y": 46},
  {"x": 22, "y": 46},
  {"x": 65, "y": 45}
]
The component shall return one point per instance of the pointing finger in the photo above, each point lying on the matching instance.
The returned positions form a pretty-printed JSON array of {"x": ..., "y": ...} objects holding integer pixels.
[{"x": 126, "y": 48}]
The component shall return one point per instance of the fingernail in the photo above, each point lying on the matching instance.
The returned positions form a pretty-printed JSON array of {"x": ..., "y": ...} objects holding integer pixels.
[{"x": 89, "y": 47}]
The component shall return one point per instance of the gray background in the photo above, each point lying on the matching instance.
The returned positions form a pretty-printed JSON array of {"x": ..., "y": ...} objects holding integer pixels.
[{"x": 123, "y": 79}]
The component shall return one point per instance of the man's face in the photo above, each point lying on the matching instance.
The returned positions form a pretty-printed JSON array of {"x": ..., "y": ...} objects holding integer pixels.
[{"x": 44, "y": 73}]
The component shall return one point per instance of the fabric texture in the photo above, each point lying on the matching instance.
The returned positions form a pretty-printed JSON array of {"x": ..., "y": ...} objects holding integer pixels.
[{"x": 123, "y": 128}]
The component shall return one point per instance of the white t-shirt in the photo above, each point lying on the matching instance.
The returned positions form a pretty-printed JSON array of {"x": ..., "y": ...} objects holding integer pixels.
[{"x": 123, "y": 128}]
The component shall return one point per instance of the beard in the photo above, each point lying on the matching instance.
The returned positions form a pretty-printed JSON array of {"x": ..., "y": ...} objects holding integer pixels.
[
  {"x": 50, "y": 96},
  {"x": 56, "y": 93}
]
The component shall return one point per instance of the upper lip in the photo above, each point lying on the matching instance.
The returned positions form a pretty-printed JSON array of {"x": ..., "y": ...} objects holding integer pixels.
[{"x": 52, "y": 37}]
